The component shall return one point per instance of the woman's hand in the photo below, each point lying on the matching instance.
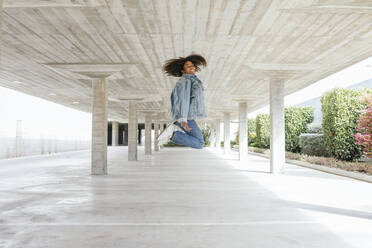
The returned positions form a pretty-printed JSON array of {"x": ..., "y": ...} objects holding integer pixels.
[{"x": 185, "y": 126}]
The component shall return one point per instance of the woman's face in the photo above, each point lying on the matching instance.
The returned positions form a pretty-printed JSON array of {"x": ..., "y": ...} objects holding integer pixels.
[{"x": 189, "y": 68}]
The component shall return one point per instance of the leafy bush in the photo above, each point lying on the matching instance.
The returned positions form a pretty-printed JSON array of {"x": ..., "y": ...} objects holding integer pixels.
[
  {"x": 364, "y": 127},
  {"x": 251, "y": 131},
  {"x": 206, "y": 132},
  {"x": 231, "y": 143},
  {"x": 252, "y": 140},
  {"x": 237, "y": 137},
  {"x": 312, "y": 144},
  {"x": 341, "y": 109},
  {"x": 296, "y": 120},
  {"x": 263, "y": 130},
  {"x": 314, "y": 128}
]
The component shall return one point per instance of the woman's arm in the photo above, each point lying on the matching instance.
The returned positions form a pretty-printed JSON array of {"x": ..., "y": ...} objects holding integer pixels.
[{"x": 183, "y": 90}]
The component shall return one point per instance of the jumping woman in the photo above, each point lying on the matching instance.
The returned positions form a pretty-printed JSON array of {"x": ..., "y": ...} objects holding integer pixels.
[{"x": 187, "y": 102}]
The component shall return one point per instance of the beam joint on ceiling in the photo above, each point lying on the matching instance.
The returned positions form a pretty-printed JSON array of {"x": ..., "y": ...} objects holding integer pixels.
[
  {"x": 89, "y": 70},
  {"x": 53, "y": 3}
]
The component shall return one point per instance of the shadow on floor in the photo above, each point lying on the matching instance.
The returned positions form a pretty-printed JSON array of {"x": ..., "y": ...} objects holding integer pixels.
[
  {"x": 258, "y": 161},
  {"x": 331, "y": 210},
  {"x": 255, "y": 171}
]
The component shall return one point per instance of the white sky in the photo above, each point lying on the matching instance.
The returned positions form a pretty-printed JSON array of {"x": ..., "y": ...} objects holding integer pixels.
[{"x": 41, "y": 118}]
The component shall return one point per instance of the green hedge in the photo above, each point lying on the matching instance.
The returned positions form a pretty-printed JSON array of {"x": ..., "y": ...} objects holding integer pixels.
[
  {"x": 206, "y": 132},
  {"x": 314, "y": 128},
  {"x": 312, "y": 144},
  {"x": 237, "y": 137},
  {"x": 341, "y": 108},
  {"x": 296, "y": 120},
  {"x": 231, "y": 143},
  {"x": 263, "y": 130},
  {"x": 251, "y": 131}
]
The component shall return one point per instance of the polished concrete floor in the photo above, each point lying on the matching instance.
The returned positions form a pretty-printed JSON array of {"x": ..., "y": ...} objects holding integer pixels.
[{"x": 178, "y": 197}]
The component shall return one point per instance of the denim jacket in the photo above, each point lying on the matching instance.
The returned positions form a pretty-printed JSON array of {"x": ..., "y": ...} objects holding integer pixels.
[{"x": 187, "y": 99}]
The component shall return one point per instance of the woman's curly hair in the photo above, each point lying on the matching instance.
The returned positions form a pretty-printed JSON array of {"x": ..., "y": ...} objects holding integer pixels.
[{"x": 174, "y": 67}]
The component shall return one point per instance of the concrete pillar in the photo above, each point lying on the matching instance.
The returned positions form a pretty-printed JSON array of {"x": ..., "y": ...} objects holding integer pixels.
[
  {"x": 226, "y": 117},
  {"x": 50, "y": 145},
  {"x": 213, "y": 134},
  {"x": 277, "y": 135},
  {"x": 156, "y": 130},
  {"x": 132, "y": 131},
  {"x": 98, "y": 73},
  {"x": 55, "y": 144},
  {"x": 218, "y": 133},
  {"x": 243, "y": 131},
  {"x": 99, "y": 127},
  {"x": 1, "y": 28},
  {"x": 115, "y": 133},
  {"x": 18, "y": 144},
  {"x": 161, "y": 130},
  {"x": 148, "y": 134}
]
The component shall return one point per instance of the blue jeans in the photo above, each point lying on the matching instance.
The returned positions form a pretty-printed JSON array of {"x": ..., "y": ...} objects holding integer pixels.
[{"x": 192, "y": 138}]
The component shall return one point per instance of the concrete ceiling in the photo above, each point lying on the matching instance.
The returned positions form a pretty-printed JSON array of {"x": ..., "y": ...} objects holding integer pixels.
[{"x": 243, "y": 42}]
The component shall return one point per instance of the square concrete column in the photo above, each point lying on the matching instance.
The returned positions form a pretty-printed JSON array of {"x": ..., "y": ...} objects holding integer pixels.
[
  {"x": 218, "y": 133},
  {"x": 19, "y": 140},
  {"x": 148, "y": 134},
  {"x": 1, "y": 27},
  {"x": 243, "y": 131},
  {"x": 161, "y": 130},
  {"x": 115, "y": 133},
  {"x": 132, "y": 131},
  {"x": 156, "y": 130},
  {"x": 226, "y": 117},
  {"x": 213, "y": 134},
  {"x": 98, "y": 73},
  {"x": 99, "y": 127},
  {"x": 277, "y": 134}
]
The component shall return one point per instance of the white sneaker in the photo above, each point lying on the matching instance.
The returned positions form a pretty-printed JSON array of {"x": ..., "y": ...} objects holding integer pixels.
[{"x": 165, "y": 136}]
